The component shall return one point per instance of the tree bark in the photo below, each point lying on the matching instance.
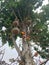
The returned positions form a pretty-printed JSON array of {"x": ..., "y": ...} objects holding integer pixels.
[
  {"x": 25, "y": 56},
  {"x": 26, "y": 53},
  {"x": 16, "y": 47}
]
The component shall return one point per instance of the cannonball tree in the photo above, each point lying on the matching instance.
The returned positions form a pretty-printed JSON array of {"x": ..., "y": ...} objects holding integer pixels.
[{"x": 20, "y": 19}]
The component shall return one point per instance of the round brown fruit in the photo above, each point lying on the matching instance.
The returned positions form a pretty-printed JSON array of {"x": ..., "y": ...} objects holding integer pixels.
[
  {"x": 28, "y": 38},
  {"x": 28, "y": 22},
  {"x": 15, "y": 30},
  {"x": 23, "y": 33},
  {"x": 16, "y": 23},
  {"x": 36, "y": 54}
]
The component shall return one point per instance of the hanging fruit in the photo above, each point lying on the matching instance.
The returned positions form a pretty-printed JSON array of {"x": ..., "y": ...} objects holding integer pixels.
[
  {"x": 23, "y": 33},
  {"x": 28, "y": 38},
  {"x": 36, "y": 54},
  {"x": 16, "y": 23},
  {"x": 23, "y": 36},
  {"x": 28, "y": 22},
  {"x": 15, "y": 30}
]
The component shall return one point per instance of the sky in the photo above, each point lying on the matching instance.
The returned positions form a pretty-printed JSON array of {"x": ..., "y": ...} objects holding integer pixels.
[
  {"x": 9, "y": 52},
  {"x": 44, "y": 3}
]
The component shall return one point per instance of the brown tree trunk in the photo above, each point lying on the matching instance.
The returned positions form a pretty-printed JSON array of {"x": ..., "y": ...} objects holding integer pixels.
[{"x": 26, "y": 54}]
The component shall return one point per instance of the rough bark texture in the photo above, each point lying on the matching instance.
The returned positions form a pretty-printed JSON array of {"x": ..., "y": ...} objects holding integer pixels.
[
  {"x": 26, "y": 53},
  {"x": 16, "y": 47}
]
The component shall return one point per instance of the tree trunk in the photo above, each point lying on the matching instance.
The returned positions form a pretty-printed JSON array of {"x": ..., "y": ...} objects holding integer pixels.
[
  {"x": 16, "y": 47},
  {"x": 26, "y": 54}
]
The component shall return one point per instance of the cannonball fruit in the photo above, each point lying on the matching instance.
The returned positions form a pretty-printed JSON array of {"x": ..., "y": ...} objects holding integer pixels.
[
  {"x": 15, "y": 30},
  {"x": 28, "y": 38},
  {"x": 16, "y": 23}
]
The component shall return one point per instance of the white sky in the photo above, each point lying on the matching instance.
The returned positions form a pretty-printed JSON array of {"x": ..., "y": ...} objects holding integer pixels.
[
  {"x": 45, "y": 2},
  {"x": 11, "y": 53}
]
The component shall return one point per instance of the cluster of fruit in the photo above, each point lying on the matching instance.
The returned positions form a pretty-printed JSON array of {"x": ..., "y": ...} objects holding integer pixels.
[
  {"x": 16, "y": 30},
  {"x": 27, "y": 37}
]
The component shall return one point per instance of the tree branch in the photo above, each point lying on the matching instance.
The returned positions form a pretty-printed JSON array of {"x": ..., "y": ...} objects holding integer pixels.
[{"x": 16, "y": 47}]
